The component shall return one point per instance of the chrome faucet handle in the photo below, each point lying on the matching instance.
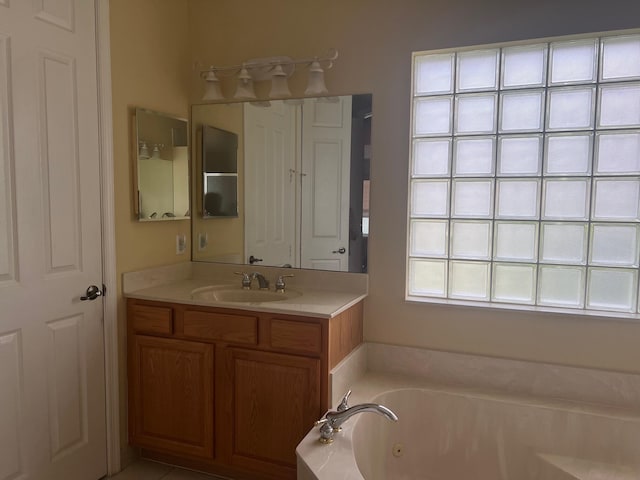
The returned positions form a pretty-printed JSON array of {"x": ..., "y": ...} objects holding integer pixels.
[
  {"x": 246, "y": 280},
  {"x": 326, "y": 431},
  {"x": 344, "y": 403},
  {"x": 280, "y": 285}
]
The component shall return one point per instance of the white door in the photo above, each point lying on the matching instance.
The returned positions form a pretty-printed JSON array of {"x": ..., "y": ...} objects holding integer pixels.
[
  {"x": 52, "y": 389},
  {"x": 326, "y": 159},
  {"x": 270, "y": 179}
]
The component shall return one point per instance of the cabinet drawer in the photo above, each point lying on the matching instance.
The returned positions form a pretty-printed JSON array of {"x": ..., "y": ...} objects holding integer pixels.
[
  {"x": 300, "y": 336},
  {"x": 221, "y": 326},
  {"x": 147, "y": 319}
]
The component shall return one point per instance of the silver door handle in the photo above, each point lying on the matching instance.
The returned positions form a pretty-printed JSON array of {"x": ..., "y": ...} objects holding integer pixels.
[
  {"x": 341, "y": 250},
  {"x": 93, "y": 292}
]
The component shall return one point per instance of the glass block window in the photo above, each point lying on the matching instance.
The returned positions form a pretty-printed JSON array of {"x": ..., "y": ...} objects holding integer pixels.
[{"x": 525, "y": 174}]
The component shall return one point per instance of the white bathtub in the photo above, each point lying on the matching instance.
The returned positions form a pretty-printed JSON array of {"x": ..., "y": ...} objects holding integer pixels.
[{"x": 447, "y": 433}]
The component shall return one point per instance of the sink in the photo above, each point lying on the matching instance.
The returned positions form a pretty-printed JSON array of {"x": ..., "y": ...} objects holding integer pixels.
[{"x": 238, "y": 295}]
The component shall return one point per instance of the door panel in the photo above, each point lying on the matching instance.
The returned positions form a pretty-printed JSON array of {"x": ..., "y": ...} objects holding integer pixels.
[
  {"x": 56, "y": 12},
  {"x": 271, "y": 390},
  {"x": 7, "y": 179},
  {"x": 172, "y": 395},
  {"x": 60, "y": 166},
  {"x": 67, "y": 385},
  {"x": 11, "y": 461}
]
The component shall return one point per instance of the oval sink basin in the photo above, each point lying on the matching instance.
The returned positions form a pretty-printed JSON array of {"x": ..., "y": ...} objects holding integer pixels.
[{"x": 238, "y": 295}]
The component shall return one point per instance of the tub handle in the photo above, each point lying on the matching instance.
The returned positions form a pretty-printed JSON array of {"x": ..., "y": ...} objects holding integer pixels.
[{"x": 344, "y": 403}]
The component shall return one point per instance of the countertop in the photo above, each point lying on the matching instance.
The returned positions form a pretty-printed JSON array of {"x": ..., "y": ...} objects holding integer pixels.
[{"x": 313, "y": 302}]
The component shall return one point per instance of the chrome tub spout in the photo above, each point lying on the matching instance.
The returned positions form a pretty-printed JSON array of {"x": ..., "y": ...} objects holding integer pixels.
[{"x": 333, "y": 420}]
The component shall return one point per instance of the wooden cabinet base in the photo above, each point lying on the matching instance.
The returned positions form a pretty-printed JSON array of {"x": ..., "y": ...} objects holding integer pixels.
[{"x": 230, "y": 392}]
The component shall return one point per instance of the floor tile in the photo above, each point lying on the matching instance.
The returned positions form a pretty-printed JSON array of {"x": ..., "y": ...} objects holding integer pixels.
[
  {"x": 180, "y": 474},
  {"x": 143, "y": 470}
]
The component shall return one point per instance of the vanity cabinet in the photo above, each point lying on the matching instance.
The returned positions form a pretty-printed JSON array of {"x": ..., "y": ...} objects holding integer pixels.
[{"x": 230, "y": 391}]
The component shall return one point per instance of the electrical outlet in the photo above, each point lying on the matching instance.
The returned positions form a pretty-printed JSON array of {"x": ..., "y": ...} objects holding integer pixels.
[{"x": 181, "y": 244}]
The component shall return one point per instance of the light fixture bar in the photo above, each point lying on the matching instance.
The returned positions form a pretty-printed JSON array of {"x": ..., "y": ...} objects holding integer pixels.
[
  {"x": 275, "y": 69},
  {"x": 271, "y": 63}
]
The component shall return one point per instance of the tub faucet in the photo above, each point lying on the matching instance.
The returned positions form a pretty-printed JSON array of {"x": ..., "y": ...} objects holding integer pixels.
[
  {"x": 333, "y": 420},
  {"x": 263, "y": 283}
]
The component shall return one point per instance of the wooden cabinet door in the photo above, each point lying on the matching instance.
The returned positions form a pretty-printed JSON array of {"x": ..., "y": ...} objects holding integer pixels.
[
  {"x": 274, "y": 400},
  {"x": 171, "y": 396}
]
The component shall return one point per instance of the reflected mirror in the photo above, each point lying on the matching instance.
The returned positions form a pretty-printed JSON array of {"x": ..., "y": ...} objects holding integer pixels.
[
  {"x": 161, "y": 154},
  {"x": 298, "y": 171}
]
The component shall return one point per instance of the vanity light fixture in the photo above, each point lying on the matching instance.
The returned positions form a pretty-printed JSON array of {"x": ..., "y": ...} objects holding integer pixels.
[
  {"x": 279, "y": 84},
  {"x": 274, "y": 69},
  {"x": 316, "y": 84},
  {"x": 244, "y": 91},
  {"x": 212, "y": 89}
]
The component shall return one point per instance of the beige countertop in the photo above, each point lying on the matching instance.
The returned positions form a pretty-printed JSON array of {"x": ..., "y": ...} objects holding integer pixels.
[{"x": 316, "y": 299}]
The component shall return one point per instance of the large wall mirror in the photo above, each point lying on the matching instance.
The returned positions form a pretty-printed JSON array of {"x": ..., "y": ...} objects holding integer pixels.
[
  {"x": 161, "y": 165},
  {"x": 293, "y": 189}
]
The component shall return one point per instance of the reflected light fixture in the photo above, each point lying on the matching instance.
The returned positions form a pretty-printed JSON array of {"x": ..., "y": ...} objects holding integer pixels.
[
  {"x": 156, "y": 151},
  {"x": 143, "y": 152},
  {"x": 277, "y": 70}
]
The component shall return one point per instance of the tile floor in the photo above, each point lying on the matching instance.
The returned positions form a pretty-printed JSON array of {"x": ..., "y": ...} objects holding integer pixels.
[{"x": 146, "y": 470}]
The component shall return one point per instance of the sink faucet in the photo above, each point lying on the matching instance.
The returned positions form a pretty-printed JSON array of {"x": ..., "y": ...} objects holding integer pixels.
[
  {"x": 333, "y": 420},
  {"x": 263, "y": 283}
]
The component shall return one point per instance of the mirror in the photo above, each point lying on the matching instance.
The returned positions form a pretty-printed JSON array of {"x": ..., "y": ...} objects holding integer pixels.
[
  {"x": 300, "y": 177},
  {"x": 161, "y": 154}
]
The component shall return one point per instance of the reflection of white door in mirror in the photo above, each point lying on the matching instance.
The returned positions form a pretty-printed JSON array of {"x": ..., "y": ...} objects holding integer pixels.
[
  {"x": 326, "y": 129},
  {"x": 270, "y": 183}
]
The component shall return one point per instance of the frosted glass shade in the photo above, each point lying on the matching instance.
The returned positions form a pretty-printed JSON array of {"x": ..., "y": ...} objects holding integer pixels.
[
  {"x": 279, "y": 84},
  {"x": 212, "y": 88},
  {"x": 316, "y": 84},
  {"x": 244, "y": 91}
]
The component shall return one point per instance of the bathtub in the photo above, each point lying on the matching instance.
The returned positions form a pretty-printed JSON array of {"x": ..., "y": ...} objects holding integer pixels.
[{"x": 452, "y": 433}]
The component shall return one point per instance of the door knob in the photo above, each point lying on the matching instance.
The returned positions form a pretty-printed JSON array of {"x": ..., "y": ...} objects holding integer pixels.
[
  {"x": 93, "y": 292},
  {"x": 341, "y": 250},
  {"x": 253, "y": 259}
]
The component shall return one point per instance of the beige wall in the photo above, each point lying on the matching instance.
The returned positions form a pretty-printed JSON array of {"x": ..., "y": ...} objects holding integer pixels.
[
  {"x": 150, "y": 68},
  {"x": 375, "y": 39}
]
